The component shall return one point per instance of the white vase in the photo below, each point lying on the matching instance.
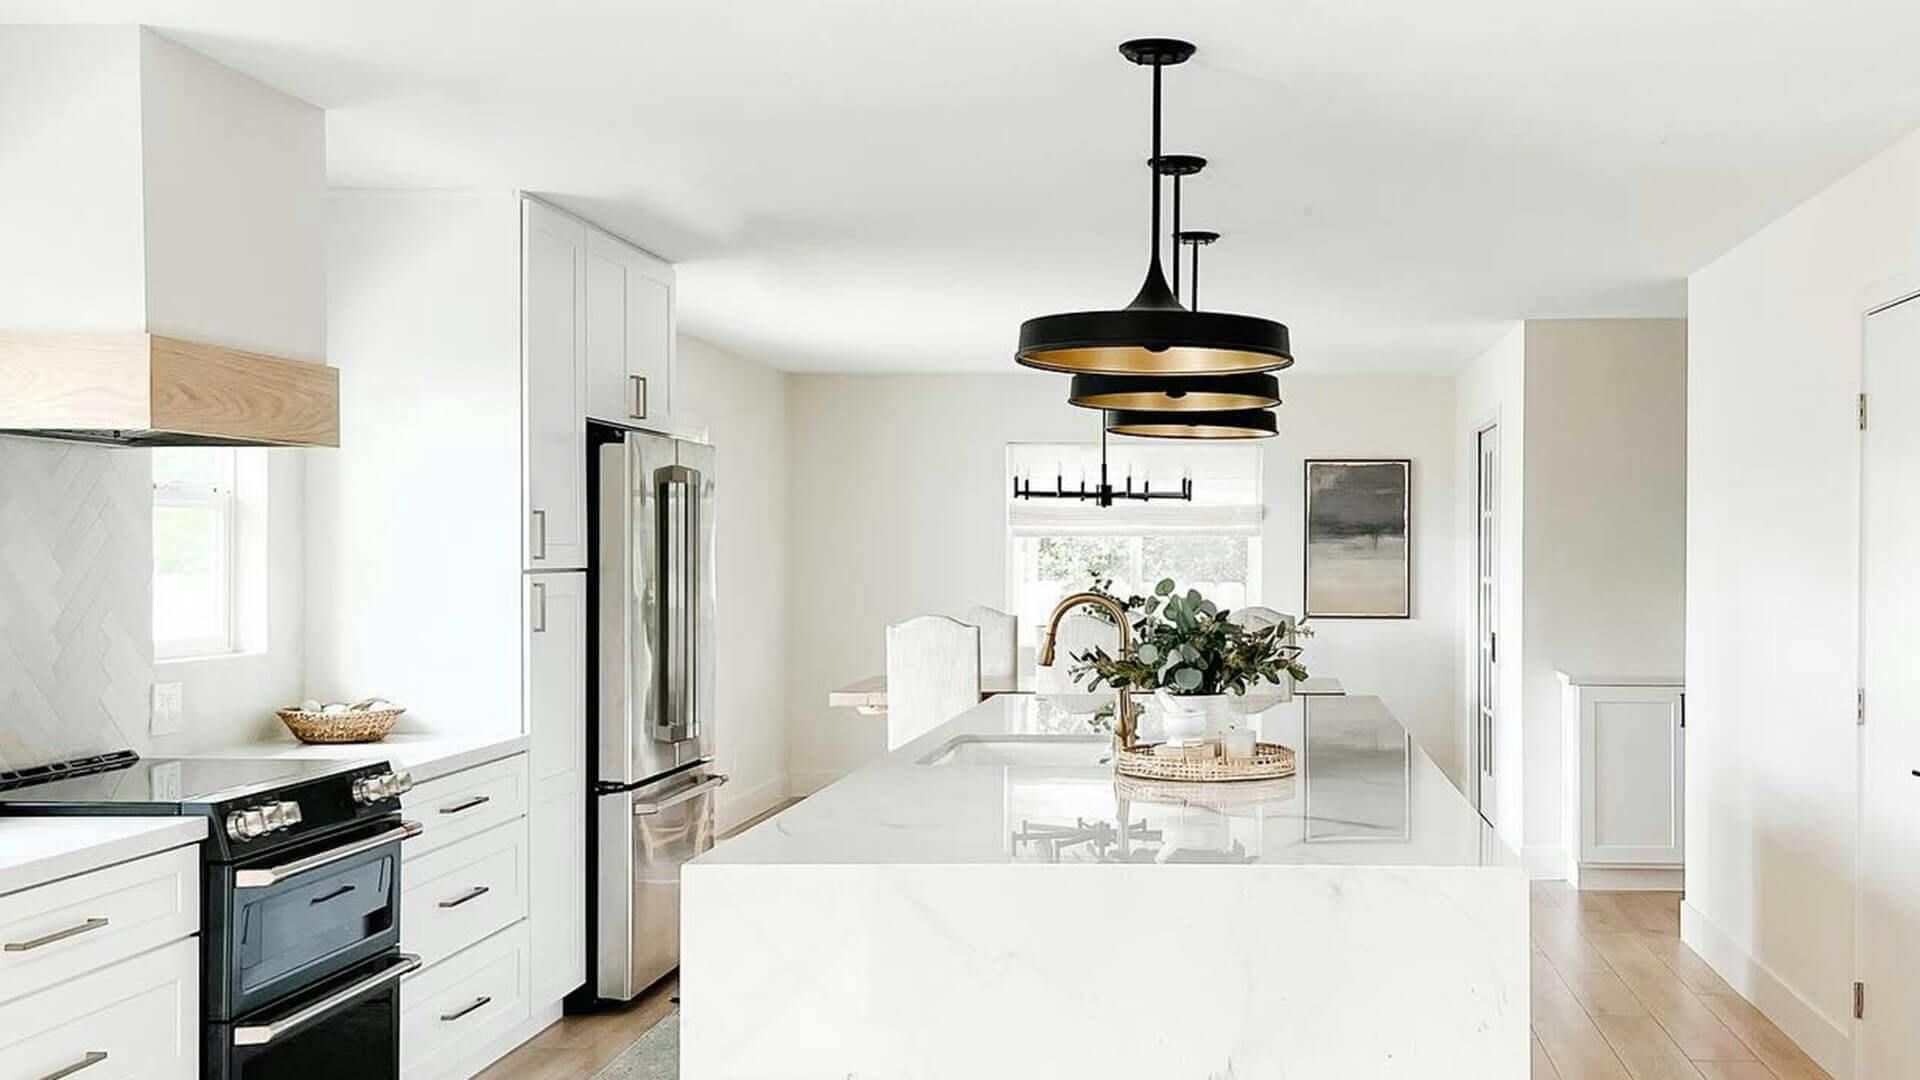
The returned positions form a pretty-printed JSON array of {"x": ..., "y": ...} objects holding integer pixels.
[{"x": 1187, "y": 719}]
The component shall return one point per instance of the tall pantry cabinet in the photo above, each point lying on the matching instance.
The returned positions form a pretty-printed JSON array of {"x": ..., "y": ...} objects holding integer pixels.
[{"x": 447, "y": 545}]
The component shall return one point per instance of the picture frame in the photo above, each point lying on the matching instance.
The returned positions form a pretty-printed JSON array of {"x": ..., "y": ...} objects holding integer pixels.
[{"x": 1357, "y": 538}]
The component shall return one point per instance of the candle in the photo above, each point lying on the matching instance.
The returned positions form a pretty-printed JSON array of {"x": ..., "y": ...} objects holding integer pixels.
[{"x": 1238, "y": 745}]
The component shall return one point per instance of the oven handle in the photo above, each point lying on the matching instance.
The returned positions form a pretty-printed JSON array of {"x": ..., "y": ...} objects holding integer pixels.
[
  {"x": 644, "y": 808},
  {"x": 262, "y": 1034},
  {"x": 274, "y": 875}
]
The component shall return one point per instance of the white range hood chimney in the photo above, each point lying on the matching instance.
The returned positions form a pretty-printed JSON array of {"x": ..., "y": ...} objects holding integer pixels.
[{"x": 162, "y": 247}]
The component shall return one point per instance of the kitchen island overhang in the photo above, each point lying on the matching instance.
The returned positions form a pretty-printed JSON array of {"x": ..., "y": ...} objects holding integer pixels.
[{"x": 1020, "y": 913}]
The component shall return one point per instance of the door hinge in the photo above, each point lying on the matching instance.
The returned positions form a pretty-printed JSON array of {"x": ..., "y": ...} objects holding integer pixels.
[
  {"x": 1859, "y": 1001},
  {"x": 1860, "y": 707},
  {"x": 1863, "y": 412}
]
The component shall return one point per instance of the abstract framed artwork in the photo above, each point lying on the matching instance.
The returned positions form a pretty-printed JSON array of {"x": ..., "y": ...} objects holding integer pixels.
[{"x": 1359, "y": 538}]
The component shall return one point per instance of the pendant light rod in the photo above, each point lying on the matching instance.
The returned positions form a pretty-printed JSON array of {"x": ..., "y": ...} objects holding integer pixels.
[
  {"x": 1177, "y": 166},
  {"x": 1198, "y": 238}
]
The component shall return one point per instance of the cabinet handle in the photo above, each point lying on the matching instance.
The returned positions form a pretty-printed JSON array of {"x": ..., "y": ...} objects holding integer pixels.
[
  {"x": 539, "y": 607},
  {"x": 465, "y": 1009},
  {"x": 468, "y": 804},
  {"x": 637, "y": 386},
  {"x": 92, "y": 1058},
  {"x": 474, "y": 893},
  {"x": 57, "y": 935},
  {"x": 539, "y": 530}
]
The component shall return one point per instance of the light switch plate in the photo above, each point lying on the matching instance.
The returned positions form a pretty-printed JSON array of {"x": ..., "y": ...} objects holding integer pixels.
[{"x": 168, "y": 703}]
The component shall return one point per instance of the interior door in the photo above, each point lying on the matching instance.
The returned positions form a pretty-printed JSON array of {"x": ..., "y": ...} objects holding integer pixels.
[
  {"x": 1487, "y": 607},
  {"x": 1889, "y": 862}
]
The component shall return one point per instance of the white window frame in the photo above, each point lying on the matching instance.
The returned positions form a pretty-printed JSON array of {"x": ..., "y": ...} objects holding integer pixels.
[{"x": 222, "y": 501}]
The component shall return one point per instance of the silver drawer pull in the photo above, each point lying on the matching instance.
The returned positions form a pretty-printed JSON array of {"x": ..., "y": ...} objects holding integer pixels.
[
  {"x": 539, "y": 530},
  {"x": 678, "y": 797},
  {"x": 260, "y": 879},
  {"x": 92, "y": 1058},
  {"x": 474, "y": 893},
  {"x": 57, "y": 935},
  {"x": 465, "y": 1009},
  {"x": 262, "y": 1034},
  {"x": 467, "y": 804},
  {"x": 637, "y": 407}
]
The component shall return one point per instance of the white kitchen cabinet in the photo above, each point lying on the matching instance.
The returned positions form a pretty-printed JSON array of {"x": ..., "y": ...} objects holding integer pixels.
[
  {"x": 555, "y": 373},
  {"x": 1625, "y": 740},
  {"x": 136, "y": 1018},
  {"x": 629, "y": 333},
  {"x": 556, "y": 711}
]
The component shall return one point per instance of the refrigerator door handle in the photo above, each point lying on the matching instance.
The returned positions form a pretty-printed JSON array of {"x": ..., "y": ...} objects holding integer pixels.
[
  {"x": 676, "y": 512},
  {"x": 690, "y": 569}
]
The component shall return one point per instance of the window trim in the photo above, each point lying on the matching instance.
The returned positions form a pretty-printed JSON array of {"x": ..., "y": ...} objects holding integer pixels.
[{"x": 222, "y": 499}]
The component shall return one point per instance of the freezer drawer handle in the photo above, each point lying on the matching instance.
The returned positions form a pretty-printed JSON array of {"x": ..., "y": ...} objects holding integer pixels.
[
  {"x": 262, "y": 1034},
  {"x": 467, "y": 804},
  {"x": 92, "y": 1058},
  {"x": 465, "y": 1009},
  {"x": 57, "y": 935},
  {"x": 274, "y": 875},
  {"x": 474, "y": 893},
  {"x": 641, "y": 809}
]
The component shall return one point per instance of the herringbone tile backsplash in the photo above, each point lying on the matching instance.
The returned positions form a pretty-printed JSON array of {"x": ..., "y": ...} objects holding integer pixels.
[{"x": 76, "y": 580}]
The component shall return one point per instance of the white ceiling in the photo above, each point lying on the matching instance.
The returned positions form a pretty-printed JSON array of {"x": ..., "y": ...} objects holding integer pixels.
[{"x": 895, "y": 184}]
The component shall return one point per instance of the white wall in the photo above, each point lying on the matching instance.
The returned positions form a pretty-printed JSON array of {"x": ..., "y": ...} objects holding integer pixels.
[
  {"x": 741, "y": 407},
  {"x": 1772, "y": 563},
  {"x": 898, "y": 508}
]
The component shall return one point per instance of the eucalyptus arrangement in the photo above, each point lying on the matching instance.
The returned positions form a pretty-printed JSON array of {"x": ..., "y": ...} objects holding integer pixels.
[{"x": 1185, "y": 645}]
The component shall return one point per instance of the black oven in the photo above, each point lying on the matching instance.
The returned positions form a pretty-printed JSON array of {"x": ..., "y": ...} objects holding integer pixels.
[
  {"x": 280, "y": 922},
  {"x": 346, "y": 1028}
]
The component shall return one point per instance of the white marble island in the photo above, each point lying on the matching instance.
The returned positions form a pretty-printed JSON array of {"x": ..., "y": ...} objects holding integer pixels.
[{"x": 989, "y": 900}]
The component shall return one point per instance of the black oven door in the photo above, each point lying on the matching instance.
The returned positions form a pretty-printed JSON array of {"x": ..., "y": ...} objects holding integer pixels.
[
  {"x": 347, "y": 1028},
  {"x": 278, "y": 924}
]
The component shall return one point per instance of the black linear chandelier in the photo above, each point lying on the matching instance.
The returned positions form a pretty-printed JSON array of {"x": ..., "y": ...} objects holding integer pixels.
[{"x": 1154, "y": 334}]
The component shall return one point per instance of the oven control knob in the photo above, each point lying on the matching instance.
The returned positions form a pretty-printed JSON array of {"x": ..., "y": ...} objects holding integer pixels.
[
  {"x": 400, "y": 782},
  {"x": 289, "y": 814},
  {"x": 246, "y": 824}
]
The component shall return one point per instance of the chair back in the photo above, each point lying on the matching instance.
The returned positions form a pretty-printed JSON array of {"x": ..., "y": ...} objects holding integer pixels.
[
  {"x": 1078, "y": 632},
  {"x": 933, "y": 675},
  {"x": 999, "y": 641},
  {"x": 1259, "y": 618}
]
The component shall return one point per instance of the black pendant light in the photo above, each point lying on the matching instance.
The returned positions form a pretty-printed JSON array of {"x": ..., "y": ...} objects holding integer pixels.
[
  {"x": 1155, "y": 334},
  {"x": 1194, "y": 424}
]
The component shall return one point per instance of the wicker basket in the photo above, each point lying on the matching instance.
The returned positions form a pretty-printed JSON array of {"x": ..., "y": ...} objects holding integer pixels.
[
  {"x": 1270, "y": 761},
  {"x": 365, "y": 725}
]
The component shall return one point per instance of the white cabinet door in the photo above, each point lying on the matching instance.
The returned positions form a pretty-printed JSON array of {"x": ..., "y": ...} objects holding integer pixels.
[
  {"x": 554, "y": 370},
  {"x": 1632, "y": 775},
  {"x": 556, "y": 719},
  {"x": 629, "y": 333}
]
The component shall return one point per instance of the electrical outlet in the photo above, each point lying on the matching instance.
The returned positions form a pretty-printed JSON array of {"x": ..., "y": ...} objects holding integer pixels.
[{"x": 168, "y": 703}]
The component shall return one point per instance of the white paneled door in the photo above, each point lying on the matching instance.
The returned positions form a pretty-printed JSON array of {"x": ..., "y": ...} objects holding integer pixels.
[
  {"x": 553, "y": 321},
  {"x": 556, "y": 814},
  {"x": 1486, "y": 695},
  {"x": 1888, "y": 1042},
  {"x": 629, "y": 321}
]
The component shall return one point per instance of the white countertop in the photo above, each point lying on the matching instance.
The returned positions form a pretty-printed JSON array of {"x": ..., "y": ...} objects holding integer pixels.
[
  {"x": 36, "y": 850},
  {"x": 1364, "y": 794},
  {"x": 428, "y": 755}
]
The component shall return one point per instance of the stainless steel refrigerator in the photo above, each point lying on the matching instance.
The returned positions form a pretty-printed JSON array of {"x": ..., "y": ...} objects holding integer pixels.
[{"x": 651, "y": 590}]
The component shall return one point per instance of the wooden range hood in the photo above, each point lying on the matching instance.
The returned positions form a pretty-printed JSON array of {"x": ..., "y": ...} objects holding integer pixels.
[{"x": 139, "y": 389}]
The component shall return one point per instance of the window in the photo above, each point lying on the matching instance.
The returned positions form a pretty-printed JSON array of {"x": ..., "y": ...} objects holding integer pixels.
[
  {"x": 1056, "y": 546},
  {"x": 195, "y": 519}
]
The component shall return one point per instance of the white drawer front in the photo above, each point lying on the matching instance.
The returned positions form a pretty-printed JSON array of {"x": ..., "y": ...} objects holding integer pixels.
[
  {"x": 55, "y": 932},
  {"x": 460, "y": 893},
  {"x": 455, "y": 1008},
  {"x": 137, "y": 1018},
  {"x": 467, "y": 802}
]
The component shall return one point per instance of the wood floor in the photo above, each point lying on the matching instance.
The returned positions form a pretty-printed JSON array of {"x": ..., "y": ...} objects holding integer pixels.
[{"x": 1617, "y": 996}]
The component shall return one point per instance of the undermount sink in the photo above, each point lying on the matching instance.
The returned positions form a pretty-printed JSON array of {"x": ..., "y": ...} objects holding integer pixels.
[{"x": 1057, "y": 750}]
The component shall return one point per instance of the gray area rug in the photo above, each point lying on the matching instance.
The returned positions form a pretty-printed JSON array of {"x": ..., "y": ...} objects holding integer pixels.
[{"x": 653, "y": 1056}]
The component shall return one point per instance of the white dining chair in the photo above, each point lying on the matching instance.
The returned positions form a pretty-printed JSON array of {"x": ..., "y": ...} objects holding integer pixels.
[
  {"x": 999, "y": 641},
  {"x": 1078, "y": 632},
  {"x": 1255, "y": 617},
  {"x": 933, "y": 674}
]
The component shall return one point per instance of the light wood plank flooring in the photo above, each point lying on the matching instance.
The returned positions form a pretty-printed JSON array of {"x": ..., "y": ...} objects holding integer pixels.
[
  {"x": 576, "y": 1047},
  {"x": 1616, "y": 996}
]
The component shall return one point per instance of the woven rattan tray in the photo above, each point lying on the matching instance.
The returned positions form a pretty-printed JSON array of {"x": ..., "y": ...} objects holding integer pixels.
[
  {"x": 366, "y": 725},
  {"x": 1270, "y": 761}
]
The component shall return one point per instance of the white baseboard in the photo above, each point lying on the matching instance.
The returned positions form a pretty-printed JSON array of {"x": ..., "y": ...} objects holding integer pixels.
[
  {"x": 1828, "y": 1041},
  {"x": 1544, "y": 863},
  {"x": 1630, "y": 878},
  {"x": 733, "y": 808},
  {"x": 806, "y": 783}
]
